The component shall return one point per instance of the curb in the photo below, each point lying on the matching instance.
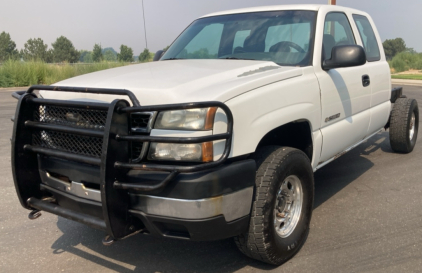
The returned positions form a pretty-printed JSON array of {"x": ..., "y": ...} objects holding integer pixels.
[
  {"x": 13, "y": 89},
  {"x": 406, "y": 82}
]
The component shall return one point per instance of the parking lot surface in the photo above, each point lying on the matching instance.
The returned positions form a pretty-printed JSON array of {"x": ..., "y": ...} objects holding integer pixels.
[{"x": 367, "y": 218}]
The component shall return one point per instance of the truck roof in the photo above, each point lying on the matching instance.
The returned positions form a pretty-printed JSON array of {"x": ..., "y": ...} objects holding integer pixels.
[{"x": 280, "y": 7}]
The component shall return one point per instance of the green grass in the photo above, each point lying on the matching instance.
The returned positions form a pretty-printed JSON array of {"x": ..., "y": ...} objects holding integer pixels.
[
  {"x": 17, "y": 73},
  {"x": 407, "y": 77}
]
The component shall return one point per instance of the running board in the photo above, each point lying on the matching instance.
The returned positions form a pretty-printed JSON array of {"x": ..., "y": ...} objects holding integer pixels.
[{"x": 322, "y": 164}]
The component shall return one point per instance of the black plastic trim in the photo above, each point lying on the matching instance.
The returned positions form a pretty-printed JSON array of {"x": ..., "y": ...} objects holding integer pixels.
[
  {"x": 210, "y": 229},
  {"x": 225, "y": 179},
  {"x": 396, "y": 93}
]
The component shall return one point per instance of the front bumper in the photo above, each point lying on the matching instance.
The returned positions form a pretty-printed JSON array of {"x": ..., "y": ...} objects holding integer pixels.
[{"x": 181, "y": 200}]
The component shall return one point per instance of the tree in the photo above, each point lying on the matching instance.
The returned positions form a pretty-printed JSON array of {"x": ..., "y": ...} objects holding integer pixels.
[
  {"x": 201, "y": 54},
  {"x": 144, "y": 56},
  {"x": 166, "y": 48},
  {"x": 85, "y": 56},
  {"x": 126, "y": 54},
  {"x": 111, "y": 49},
  {"x": 64, "y": 51},
  {"x": 393, "y": 46},
  {"x": 49, "y": 57},
  {"x": 109, "y": 55},
  {"x": 411, "y": 50},
  {"x": 35, "y": 49},
  {"x": 7, "y": 48},
  {"x": 97, "y": 54}
]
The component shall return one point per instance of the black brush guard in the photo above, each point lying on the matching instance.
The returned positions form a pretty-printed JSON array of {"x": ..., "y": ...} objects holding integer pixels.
[{"x": 114, "y": 162}]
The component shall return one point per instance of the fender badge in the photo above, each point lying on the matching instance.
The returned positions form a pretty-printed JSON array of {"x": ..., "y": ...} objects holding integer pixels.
[{"x": 332, "y": 117}]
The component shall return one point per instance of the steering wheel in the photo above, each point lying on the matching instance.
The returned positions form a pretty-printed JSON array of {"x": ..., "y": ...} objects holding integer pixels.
[{"x": 278, "y": 45}]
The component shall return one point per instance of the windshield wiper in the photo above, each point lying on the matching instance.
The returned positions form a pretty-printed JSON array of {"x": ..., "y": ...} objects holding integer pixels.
[
  {"x": 171, "y": 59},
  {"x": 234, "y": 58}
]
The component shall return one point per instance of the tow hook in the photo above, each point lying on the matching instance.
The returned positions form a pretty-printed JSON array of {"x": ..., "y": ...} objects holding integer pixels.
[
  {"x": 34, "y": 214},
  {"x": 108, "y": 240}
]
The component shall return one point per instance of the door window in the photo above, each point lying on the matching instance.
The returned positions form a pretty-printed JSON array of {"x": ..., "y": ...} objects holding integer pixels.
[
  {"x": 369, "y": 40},
  {"x": 337, "y": 31}
]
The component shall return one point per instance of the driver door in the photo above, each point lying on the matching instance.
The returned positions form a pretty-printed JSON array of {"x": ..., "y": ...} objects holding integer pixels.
[{"x": 345, "y": 101}]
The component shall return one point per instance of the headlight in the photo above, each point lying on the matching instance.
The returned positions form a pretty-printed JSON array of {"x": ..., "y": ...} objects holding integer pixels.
[
  {"x": 201, "y": 152},
  {"x": 190, "y": 119}
]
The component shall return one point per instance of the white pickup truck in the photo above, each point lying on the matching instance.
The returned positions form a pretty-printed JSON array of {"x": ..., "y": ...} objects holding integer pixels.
[{"x": 220, "y": 136}]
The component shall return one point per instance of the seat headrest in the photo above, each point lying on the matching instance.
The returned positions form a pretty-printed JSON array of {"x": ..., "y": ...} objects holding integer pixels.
[
  {"x": 328, "y": 44},
  {"x": 253, "y": 44}
]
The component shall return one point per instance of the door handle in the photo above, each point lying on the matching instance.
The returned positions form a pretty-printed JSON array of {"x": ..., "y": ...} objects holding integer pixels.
[{"x": 366, "y": 81}]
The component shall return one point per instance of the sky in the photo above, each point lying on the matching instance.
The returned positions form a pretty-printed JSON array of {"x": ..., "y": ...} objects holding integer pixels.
[{"x": 115, "y": 22}]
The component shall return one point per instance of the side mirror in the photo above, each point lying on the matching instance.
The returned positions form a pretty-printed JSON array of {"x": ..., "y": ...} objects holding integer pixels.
[
  {"x": 345, "y": 56},
  {"x": 158, "y": 55}
]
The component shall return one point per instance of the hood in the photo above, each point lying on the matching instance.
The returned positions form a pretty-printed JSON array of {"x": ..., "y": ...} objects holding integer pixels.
[{"x": 179, "y": 81}]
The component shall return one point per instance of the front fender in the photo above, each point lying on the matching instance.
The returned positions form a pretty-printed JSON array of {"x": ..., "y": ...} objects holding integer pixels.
[{"x": 260, "y": 111}]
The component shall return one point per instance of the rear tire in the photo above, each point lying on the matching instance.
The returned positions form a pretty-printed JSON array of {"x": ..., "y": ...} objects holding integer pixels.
[
  {"x": 282, "y": 206},
  {"x": 404, "y": 125}
]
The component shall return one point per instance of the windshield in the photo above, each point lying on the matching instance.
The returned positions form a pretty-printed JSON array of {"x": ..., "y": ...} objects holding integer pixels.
[{"x": 284, "y": 37}]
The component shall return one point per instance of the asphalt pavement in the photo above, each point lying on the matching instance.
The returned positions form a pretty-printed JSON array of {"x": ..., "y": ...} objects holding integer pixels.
[{"x": 367, "y": 218}]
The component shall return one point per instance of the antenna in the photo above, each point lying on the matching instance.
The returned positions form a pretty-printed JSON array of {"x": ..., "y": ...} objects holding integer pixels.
[{"x": 145, "y": 27}]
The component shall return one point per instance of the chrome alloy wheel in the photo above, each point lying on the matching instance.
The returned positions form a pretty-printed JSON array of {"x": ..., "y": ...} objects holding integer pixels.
[
  {"x": 412, "y": 127},
  {"x": 288, "y": 206}
]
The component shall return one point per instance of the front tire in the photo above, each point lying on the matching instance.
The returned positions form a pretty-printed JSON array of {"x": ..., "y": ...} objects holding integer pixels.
[
  {"x": 282, "y": 206},
  {"x": 404, "y": 125}
]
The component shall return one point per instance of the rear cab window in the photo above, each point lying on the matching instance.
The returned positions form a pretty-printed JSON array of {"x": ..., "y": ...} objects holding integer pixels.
[{"x": 369, "y": 40}]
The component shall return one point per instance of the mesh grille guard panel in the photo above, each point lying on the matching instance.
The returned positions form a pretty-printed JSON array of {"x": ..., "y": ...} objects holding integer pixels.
[
  {"x": 75, "y": 144},
  {"x": 74, "y": 117}
]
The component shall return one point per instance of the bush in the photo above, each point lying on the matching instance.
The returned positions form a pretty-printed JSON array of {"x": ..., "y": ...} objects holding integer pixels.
[{"x": 405, "y": 61}]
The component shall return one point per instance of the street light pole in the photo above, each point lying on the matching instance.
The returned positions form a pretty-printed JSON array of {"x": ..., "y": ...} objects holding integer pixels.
[
  {"x": 145, "y": 27},
  {"x": 332, "y": 2}
]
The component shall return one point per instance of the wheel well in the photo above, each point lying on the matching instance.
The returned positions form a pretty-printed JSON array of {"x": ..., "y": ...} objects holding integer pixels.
[{"x": 296, "y": 134}]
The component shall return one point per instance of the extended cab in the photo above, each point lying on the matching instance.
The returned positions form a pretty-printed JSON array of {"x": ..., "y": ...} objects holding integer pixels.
[{"x": 220, "y": 136}]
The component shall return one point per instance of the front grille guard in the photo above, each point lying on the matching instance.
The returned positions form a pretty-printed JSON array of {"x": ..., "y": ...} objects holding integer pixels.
[{"x": 114, "y": 158}]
